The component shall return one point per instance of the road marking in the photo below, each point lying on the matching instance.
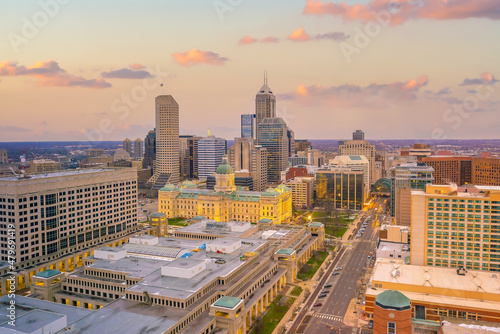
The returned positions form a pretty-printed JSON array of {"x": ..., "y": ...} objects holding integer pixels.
[{"x": 328, "y": 317}]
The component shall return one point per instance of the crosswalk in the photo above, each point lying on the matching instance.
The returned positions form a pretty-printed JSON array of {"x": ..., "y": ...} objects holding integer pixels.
[{"x": 328, "y": 317}]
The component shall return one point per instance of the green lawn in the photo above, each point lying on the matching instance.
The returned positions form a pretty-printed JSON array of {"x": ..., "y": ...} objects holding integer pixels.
[
  {"x": 274, "y": 315},
  {"x": 179, "y": 221},
  {"x": 312, "y": 266},
  {"x": 340, "y": 232},
  {"x": 296, "y": 291}
]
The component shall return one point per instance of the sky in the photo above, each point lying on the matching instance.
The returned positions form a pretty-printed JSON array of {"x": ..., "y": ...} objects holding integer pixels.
[{"x": 89, "y": 70}]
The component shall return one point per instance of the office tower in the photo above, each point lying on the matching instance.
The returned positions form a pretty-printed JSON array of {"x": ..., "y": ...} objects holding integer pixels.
[
  {"x": 167, "y": 142},
  {"x": 341, "y": 187},
  {"x": 3, "y": 156},
  {"x": 65, "y": 215},
  {"x": 486, "y": 171},
  {"x": 358, "y": 135},
  {"x": 354, "y": 162},
  {"x": 417, "y": 150},
  {"x": 189, "y": 157},
  {"x": 404, "y": 178},
  {"x": 211, "y": 149},
  {"x": 149, "y": 150},
  {"x": 244, "y": 155},
  {"x": 44, "y": 166},
  {"x": 302, "y": 145},
  {"x": 360, "y": 147},
  {"x": 248, "y": 126},
  {"x": 291, "y": 141},
  {"x": 138, "y": 149},
  {"x": 382, "y": 158},
  {"x": 450, "y": 169},
  {"x": 302, "y": 191},
  {"x": 456, "y": 227},
  {"x": 127, "y": 146},
  {"x": 273, "y": 136},
  {"x": 265, "y": 105}
]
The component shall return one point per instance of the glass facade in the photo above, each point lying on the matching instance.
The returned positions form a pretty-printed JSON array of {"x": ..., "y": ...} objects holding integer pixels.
[
  {"x": 248, "y": 126},
  {"x": 344, "y": 188}
]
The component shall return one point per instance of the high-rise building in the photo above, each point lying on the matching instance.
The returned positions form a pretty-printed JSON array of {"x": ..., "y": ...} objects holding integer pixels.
[
  {"x": 189, "y": 156},
  {"x": 244, "y": 155},
  {"x": 302, "y": 191},
  {"x": 265, "y": 105},
  {"x": 358, "y": 135},
  {"x": 456, "y": 227},
  {"x": 149, "y": 150},
  {"x": 3, "y": 156},
  {"x": 273, "y": 136},
  {"x": 354, "y": 162},
  {"x": 450, "y": 169},
  {"x": 127, "y": 146},
  {"x": 211, "y": 149},
  {"x": 407, "y": 176},
  {"x": 341, "y": 187},
  {"x": 57, "y": 217},
  {"x": 302, "y": 145},
  {"x": 167, "y": 142},
  {"x": 138, "y": 149},
  {"x": 291, "y": 141},
  {"x": 360, "y": 147},
  {"x": 463, "y": 170},
  {"x": 248, "y": 126}
]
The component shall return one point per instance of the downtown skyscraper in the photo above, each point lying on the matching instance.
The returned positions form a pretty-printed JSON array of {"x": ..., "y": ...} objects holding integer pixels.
[
  {"x": 167, "y": 142},
  {"x": 265, "y": 104}
]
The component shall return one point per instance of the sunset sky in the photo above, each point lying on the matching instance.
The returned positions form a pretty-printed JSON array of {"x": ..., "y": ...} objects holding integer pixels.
[{"x": 90, "y": 70}]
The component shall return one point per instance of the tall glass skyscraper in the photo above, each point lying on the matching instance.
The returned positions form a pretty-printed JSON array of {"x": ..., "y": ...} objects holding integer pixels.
[
  {"x": 210, "y": 152},
  {"x": 248, "y": 126},
  {"x": 265, "y": 104},
  {"x": 273, "y": 136}
]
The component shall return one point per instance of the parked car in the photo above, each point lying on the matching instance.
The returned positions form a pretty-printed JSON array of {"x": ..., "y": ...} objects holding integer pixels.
[
  {"x": 317, "y": 304},
  {"x": 323, "y": 295},
  {"x": 325, "y": 291},
  {"x": 338, "y": 268},
  {"x": 328, "y": 286},
  {"x": 336, "y": 273}
]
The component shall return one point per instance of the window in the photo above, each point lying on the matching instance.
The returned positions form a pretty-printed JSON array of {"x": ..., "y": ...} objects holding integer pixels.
[{"x": 391, "y": 328}]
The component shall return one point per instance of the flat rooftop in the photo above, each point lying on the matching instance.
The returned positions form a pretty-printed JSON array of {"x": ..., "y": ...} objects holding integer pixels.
[
  {"x": 25, "y": 305},
  {"x": 59, "y": 174},
  {"x": 437, "y": 277},
  {"x": 211, "y": 227},
  {"x": 123, "y": 317},
  {"x": 135, "y": 266},
  {"x": 182, "y": 288}
]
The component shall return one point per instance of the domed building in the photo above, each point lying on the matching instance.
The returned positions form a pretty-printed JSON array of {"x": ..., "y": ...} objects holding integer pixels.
[{"x": 226, "y": 203}]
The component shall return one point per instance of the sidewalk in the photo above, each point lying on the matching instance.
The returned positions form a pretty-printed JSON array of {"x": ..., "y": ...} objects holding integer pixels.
[
  {"x": 354, "y": 319},
  {"x": 309, "y": 285}
]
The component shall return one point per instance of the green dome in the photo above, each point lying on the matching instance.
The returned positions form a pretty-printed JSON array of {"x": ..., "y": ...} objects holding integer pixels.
[
  {"x": 392, "y": 299},
  {"x": 169, "y": 187},
  {"x": 224, "y": 169}
]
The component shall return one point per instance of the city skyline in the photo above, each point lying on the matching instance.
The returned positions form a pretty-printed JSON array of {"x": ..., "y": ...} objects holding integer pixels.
[{"x": 403, "y": 82}]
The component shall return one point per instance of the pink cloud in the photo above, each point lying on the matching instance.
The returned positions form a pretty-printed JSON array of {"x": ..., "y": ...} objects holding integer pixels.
[
  {"x": 245, "y": 40},
  {"x": 299, "y": 35},
  {"x": 137, "y": 66},
  {"x": 49, "y": 73},
  {"x": 270, "y": 39},
  {"x": 404, "y": 10},
  {"x": 485, "y": 78},
  {"x": 194, "y": 57},
  {"x": 354, "y": 95}
]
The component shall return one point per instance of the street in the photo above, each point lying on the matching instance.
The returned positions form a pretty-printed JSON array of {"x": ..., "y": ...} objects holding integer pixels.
[{"x": 347, "y": 285}]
